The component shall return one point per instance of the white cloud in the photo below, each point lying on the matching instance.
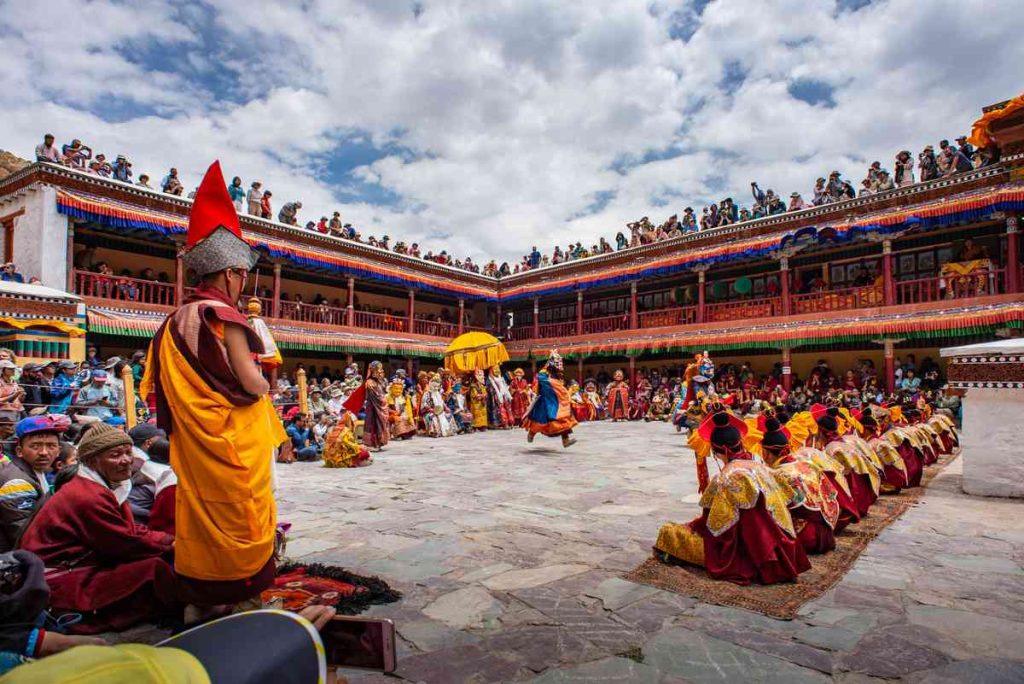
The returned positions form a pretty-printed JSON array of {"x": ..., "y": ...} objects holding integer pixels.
[{"x": 515, "y": 110}]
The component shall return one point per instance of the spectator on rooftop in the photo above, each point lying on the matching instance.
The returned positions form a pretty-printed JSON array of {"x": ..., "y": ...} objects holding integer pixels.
[
  {"x": 884, "y": 182},
  {"x": 254, "y": 199},
  {"x": 335, "y": 226},
  {"x": 76, "y": 154},
  {"x": 620, "y": 242},
  {"x": 928, "y": 164},
  {"x": 144, "y": 182},
  {"x": 820, "y": 192},
  {"x": 689, "y": 221},
  {"x": 534, "y": 257},
  {"x": 171, "y": 184},
  {"x": 289, "y": 213},
  {"x": 866, "y": 188},
  {"x": 775, "y": 205},
  {"x": 122, "y": 169},
  {"x": 310, "y": 225},
  {"x": 237, "y": 193},
  {"x": 966, "y": 149},
  {"x": 100, "y": 166},
  {"x": 904, "y": 169},
  {"x": 321, "y": 225},
  {"x": 46, "y": 151},
  {"x": 835, "y": 189},
  {"x": 796, "y": 202},
  {"x": 266, "y": 211}
]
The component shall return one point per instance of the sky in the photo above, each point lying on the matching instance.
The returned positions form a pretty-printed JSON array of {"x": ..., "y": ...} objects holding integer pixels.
[{"x": 487, "y": 127}]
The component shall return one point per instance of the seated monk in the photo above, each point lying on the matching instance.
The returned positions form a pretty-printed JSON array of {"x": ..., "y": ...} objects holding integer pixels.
[
  {"x": 746, "y": 532},
  {"x": 861, "y": 474},
  {"x": 946, "y": 429},
  {"x": 99, "y": 562},
  {"x": 894, "y": 469},
  {"x": 816, "y": 512}
]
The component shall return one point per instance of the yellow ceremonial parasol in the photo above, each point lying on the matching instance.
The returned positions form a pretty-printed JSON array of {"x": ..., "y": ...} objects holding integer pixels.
[{"x": 474, "y": 350}]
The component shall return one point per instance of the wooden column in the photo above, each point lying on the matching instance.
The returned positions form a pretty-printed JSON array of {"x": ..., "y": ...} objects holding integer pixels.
[
  {"x": 579, "y": 312},
  {"x": 1012, "y": 259},
  {"x": 300, "y": 380},
  {"x": 412, "y": 309},
  {"x": 275, "y": 304},
  {"x": 408, "y": 366},
  {"x": 498, "y": 322},
  {"x": 179, "y": 279},
  {"x": 536, "y": 317},
  {"x": 701, "y": 277},
  {"x": 70, "y": 257},
  {"x": 632, "y": 374},
  {"x": 634, "y": 318},
  {"x": 351, "y": 302},
  {"x": 787, "y": 305},
  {"x": 888, "y": 287},
  {"x": 787, "y": 369},
  {"x": 533, "y": 369},
  {"x": 462, "y": 314},
  {"x": 890, "y": 366}
]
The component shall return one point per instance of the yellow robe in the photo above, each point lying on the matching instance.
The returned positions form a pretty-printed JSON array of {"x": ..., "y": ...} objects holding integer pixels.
[{"x": 225, "y": 514}]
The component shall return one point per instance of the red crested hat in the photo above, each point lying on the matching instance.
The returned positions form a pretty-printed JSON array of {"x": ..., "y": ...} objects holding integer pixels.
[
  {"x": 723, "y": 421},
  {"x": 212, "y": 208}
]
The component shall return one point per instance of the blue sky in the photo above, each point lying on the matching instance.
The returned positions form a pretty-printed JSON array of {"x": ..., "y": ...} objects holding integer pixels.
[{"x": 483, "y": 128}]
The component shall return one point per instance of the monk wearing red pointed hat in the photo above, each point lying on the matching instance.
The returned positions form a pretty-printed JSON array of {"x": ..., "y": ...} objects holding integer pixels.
[
  {"x": 746, "y": 533},
  {"x": 212, "y": 400}
]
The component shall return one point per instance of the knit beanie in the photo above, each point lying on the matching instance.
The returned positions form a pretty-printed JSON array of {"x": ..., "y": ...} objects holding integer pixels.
[{"x": 100, "y": 437}]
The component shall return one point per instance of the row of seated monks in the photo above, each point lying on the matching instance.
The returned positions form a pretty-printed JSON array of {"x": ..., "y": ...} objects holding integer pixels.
[{"x": 789, "y": 484}]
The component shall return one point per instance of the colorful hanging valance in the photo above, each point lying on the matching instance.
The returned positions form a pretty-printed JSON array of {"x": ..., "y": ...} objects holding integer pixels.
[{"x": 120, "y": 215}]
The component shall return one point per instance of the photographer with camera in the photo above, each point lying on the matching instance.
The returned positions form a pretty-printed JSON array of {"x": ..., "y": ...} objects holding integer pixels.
[{"x": 122, "y": 169}]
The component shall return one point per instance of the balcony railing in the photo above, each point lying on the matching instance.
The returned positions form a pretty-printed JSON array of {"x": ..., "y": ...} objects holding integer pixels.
[
  {"x": 523, "y": 332},
  {"x": 838, "y": 300},
  {"x": 746, "y": 308},
  {"x": 123, "y": 288},
  {"x": 314, "y": 313},
  {"x": 377, "y": 321},
  {"x": 978, "y": 284},
  {"x": 592, "y": 326},
  {"x": 677, "y": 315},
  {"x": 435, "y": 328},
  {"x": 563, "y": 329}
]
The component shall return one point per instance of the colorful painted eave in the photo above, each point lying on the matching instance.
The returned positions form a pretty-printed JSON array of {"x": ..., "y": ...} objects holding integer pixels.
[
  {"x": 960, "y": 208},
  {"x": 144, "y": 325},
  {"x": 123, "y": 216},
  {"x": 932, "y": 325}
]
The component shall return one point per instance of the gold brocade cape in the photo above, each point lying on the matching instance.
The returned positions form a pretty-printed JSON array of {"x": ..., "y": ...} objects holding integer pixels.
[
  {"x": 739, "y": 486},
  {"x": 222, "y": 453},
  {"x": 816, "y": 490},
  {"x": 857, "y": 457}
]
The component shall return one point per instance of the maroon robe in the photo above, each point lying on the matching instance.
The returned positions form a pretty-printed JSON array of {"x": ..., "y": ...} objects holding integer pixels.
[
  {"x": 99, "y": 561},
  {"x": 161, "y": 515},
  {"x": 849, "y": 512},
  {"x": 755, "y": 549},
  {"x": 913, "y": 460}
]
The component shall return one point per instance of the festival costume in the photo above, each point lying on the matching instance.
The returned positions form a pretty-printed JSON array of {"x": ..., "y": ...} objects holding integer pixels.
[
  {"x": 400, "y": 417},
  {"x": 895, "y": 474},
  {"x": 641, "y": 399},
  {"x": 270, "y": 359},
  {"x": 371, "y": 400},
  {"x": 343, "y": 450},
  {"x": 437, "y": 417},
  {"x": 551, "y": 413},
  {"x": 862, "y": 475},
  {"x": 592, "y": 400},
  {"x": 618, "y": 398},
  {"x": 476, "y": 399},
  {"x": 499, "y": 401},
  {"x": 745, "y": 533},
  {"x": 222, "y": 439},
  {"x": 521, "y": 396}
]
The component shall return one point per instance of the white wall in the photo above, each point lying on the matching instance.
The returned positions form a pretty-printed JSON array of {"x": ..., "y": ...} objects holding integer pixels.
[
  {"x": 991, "y": 442},
  {"x": 40, "y": 237}
]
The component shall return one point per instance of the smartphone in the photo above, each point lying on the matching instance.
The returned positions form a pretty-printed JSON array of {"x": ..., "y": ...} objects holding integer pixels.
[{"x": 363, "y": 643}]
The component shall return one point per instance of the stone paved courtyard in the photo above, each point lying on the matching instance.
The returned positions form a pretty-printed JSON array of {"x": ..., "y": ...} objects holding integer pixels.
[{"x": 509, "y": 554}]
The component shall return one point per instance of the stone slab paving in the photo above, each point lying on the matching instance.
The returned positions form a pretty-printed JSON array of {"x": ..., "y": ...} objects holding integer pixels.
[{"x": 509, "y": 558}]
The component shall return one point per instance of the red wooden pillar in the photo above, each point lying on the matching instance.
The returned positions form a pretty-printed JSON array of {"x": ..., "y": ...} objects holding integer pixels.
[
  {"x": 536, "y": 317},
  {"x": 412, "y": 310},
  {"x": 533, "y": 369},
  {"x": 275, "y": 305},
  {"x": 888, "y": 287},
  {"x": 179, "y": 279},
  {"x": 408, "y": 367},
  {"x": 351, "y": 313},
  {"x": 787, "y": 369},
  {"x": 1012, "y": 258},
  {"x": 579, "y": 371},
  {"x": 787, "y": 305},
  {"x": 632, "y": 373},
  {"x": 498, "y": 325},
  {"x": 634, "y": 317},
  {"x": 701, "y": 277},
  {"x": 462, "y": 314},
  {"x": 890, "y": 366},
  {"x": 579, "y": 312}
]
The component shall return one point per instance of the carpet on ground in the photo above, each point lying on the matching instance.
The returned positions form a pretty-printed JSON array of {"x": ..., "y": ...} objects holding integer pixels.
[
  {"x": 783, "y": 601},
  {"x": 298, "y": 586}
]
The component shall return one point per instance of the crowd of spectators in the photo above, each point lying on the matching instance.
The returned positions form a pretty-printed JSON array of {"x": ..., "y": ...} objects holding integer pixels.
[{"x": 256, "y": 201}]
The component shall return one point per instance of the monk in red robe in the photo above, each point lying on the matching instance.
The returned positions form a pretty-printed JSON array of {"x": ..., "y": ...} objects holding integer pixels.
[
  {"x": 521, "y": 395},
  {"x": 862, "y": 477},
  {"x": 100, "y": 563},
  {"x": 618, "y": 398},
  {"x": 746, "y": 532}
]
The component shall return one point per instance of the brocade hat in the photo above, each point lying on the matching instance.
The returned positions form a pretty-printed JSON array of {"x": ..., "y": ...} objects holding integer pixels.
[
  {"x": 825, "y": 417},
  {"x": 555, "y": 359},
  {"x": 775, "y": 436},
  {"x": 722, "y": 429},
  {"x": 214, "y": 240}
]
